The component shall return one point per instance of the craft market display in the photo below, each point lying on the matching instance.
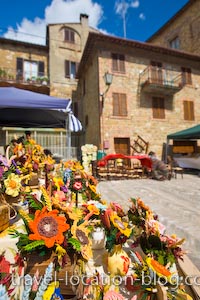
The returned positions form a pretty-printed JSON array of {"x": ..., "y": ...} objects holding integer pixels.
[{"x": 64, "y": 241}]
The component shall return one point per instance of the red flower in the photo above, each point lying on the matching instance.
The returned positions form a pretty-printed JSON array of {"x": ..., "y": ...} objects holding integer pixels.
[{"x": 77, "y": 185}]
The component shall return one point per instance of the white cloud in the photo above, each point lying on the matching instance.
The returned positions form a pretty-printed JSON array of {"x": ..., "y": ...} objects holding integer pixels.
[
  {"x": 59, "y": 11},
  {"x": 122, "y": 6},
  {"x": 135, "y": 4},
  {"x": 142, "y": 16}
]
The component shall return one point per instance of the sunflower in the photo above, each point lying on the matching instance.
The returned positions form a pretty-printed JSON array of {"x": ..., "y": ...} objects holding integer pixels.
[
  {"x": 13, "y": 185},
  {"x": 120, "y": 225},
  {"x": 48, "y": 226},
  {"x": 81, "y": 233}
]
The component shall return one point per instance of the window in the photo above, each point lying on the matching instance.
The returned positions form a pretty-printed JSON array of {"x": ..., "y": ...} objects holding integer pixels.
[
  {"x": 175, "y": 43},
  {"x": 118, "y": 62},
  {"x": 186, "y": 76},
  {"x": 119, "y": 105},
  {"x": 27, "y": 69},
  {"x": 188, "y": 107},
  {"x": 70, "y": 69},
  {"x": 158, "y": 107},
  {"x": 69, "y": 35}
]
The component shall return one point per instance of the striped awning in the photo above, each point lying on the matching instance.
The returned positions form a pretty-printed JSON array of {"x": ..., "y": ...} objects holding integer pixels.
[{"x": 74, "y": 123}]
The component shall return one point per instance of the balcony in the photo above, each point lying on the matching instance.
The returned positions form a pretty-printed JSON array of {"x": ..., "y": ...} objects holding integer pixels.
[
  {"x": 26, "y": 80},
  {"x": 160, "y": 80}
]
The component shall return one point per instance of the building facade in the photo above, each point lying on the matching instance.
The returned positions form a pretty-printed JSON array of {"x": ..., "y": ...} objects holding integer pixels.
[
  {"x": 24, "y": 65},
  {"x": 182, "y": 31},
  {"x": 154, "y": 91},
  {"x": 66, "y": 43}
]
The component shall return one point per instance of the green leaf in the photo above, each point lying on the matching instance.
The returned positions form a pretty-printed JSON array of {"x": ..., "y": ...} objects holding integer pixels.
[
  {"x": 75, "y": 243},
  {"x": 33, "y": 245}
]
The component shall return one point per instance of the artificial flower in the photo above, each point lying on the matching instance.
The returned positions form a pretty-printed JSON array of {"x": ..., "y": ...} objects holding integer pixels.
[
  {"x": 113, "y": 295},
  {"x": 13, "y": 185},
  {"x": 58, "y": 182},
  {"x": 119, "y": 224},
  {"x": 48, "y": 226},
  {"x": 75, "y": 213},
  {"x": 60, "y": 251},
  {"x": 159, "y": 269},
  {"x": 81, "y": 233}
]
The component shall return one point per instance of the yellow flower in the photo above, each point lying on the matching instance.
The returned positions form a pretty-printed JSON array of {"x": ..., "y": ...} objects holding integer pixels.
[
  {"x": 47, "y": 295},
  {"x": 13, "y": 185},
  {"x": 92, "y": 208},
  {"x": 119, "y": 224},
  {"x": 60, "y": 251},
  {"x": 58, "y": 182},
  {"x": 81, "y": 232},
  {"x": 75, "y": 214},
  {"x": 92, "y": 188}
]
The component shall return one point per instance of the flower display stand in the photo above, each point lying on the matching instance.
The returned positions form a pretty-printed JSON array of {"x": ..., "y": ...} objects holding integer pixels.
[{"x": 36, "y": 263}]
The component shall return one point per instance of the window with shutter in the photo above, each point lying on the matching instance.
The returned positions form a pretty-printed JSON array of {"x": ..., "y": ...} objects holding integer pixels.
[
  {"x": 70, "y": 69},
  {"x": 119, "y": 105},
  {"x": 186, "y": 76},
  {"x": 118, "y": 62},
  {"x": 19, "y": 68},
  {"x": 188, "y": 107},
  {"x": 69, "y": 35},
  {"x": 41, "y": 69},
  {"x": 158, "y": 107}
]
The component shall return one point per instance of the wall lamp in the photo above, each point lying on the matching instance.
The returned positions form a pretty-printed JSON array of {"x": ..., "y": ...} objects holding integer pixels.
[{"x": 108, "y": 81}]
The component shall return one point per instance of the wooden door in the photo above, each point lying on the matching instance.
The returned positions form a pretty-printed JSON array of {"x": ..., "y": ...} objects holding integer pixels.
[{"x": 122, "y": 145}]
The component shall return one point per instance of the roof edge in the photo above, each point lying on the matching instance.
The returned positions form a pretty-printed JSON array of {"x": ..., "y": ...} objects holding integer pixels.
[{"x": 161, "y": 29}]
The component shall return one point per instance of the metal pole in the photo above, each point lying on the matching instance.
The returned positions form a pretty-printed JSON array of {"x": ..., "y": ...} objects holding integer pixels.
[{"x": 68, "y": 134}]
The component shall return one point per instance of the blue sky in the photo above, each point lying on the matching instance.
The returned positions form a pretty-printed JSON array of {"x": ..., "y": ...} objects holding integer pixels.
[{"x": 134, "y": 19}]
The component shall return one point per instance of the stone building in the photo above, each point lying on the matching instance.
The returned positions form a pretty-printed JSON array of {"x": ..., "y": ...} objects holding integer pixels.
[
  {"x": 24, "y": 65},
  {"x": 182, "y": 31},
  {"x": 66, "y": 43},
  {"x": 154, "y": 91},
  {"x": 49, "y": 69}
]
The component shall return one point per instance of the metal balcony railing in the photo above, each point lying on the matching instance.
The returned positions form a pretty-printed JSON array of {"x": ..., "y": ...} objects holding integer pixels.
[
  {"x": 160, "y": 79},
  {"x": 14, "y": 76}
]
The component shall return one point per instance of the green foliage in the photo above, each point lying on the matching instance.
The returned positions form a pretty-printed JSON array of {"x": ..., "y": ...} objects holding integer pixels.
[
  {"x": 31, "y": 246},
  {"x": 75, "y": 243},
  {"x": 111, "y": 239},
  {"x": 33, "y": 203}
]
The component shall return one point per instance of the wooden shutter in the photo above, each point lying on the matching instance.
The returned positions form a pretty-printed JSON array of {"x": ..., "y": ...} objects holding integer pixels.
[
  {"x": 69, "y": 35},
  {"x": 156, "y": 72},
  {"x": 119, "y": 105},
  {"x": 188, "y": 107},
  {"x": 114, "y": 62},
  {"x": 19, "y": 68},
  {"x": 66, "y": 34},
  {"x": 72, "y": 36},
  {"x": 40, "y": 68},
  {"x": 121, "y": 63},
  {"x": 158, "y": 108},
  {"x": 67, "y": 68},
  {"x": 118, "y": 62},
  {"x": 186, "y": 75}
]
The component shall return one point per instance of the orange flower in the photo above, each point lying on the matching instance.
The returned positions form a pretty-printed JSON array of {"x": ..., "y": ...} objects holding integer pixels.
[{"x": 48, "y": 226}]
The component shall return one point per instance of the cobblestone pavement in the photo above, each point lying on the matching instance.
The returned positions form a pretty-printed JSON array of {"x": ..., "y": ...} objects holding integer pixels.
[{"x": 177, "y": 203}]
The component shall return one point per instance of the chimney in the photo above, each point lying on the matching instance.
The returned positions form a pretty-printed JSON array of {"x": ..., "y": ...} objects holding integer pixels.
[{"x": 84, "y": 19}]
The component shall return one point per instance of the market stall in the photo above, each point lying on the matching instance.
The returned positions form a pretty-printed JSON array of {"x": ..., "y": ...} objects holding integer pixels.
[
  {"x": 185, "y": 149},
  {"x": 72, "y": 243},
  {"x": 22, "y": 108}
]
